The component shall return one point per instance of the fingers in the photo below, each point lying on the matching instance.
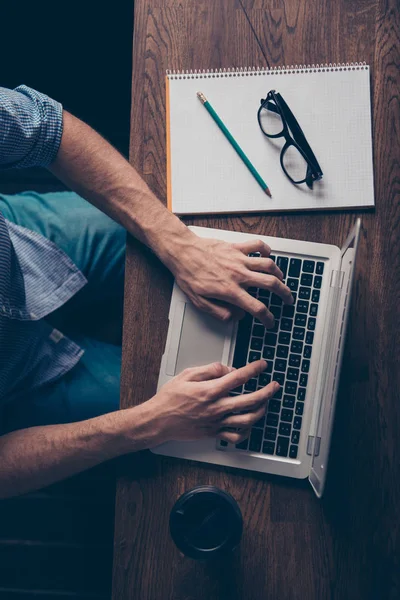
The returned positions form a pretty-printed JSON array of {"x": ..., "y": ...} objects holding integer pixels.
[
  {"x": 237, "y": 377},
  {"x": 269, "y": 282},
  {"x": 206, "y": 372},
  {"x": 245, "y": 420},
  {"x": 264, "y": 265},
  {"x": 234, "y": 437},
  {"x": 216, "y": 309},
  {"x": 254, "y": 246},
  {"x": 254, "y": 307},
  {"x": 248, "y": 402}
]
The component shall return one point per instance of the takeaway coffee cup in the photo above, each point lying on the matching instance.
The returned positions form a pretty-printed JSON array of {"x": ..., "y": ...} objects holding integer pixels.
[{"x": 206, "y": 523}]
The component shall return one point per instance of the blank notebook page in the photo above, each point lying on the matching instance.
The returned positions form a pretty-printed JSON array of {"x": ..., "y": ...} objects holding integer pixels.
[{"x": 205, "y": 175}]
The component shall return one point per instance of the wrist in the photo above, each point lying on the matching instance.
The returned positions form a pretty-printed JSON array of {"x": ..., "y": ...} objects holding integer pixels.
[{"x": 139, "y": 429}]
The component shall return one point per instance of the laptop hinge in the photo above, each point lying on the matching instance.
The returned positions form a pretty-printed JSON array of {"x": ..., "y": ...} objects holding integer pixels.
[
  {"x": 310, "y": 445},
  {"x": 337, "y": 279}
]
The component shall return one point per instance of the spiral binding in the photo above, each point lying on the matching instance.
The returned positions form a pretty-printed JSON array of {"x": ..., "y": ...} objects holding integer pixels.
[{"x": 254, "y": 71}]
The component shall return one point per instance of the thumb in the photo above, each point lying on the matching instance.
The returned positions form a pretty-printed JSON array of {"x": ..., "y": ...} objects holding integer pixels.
[{"x": 207, "y": 372}]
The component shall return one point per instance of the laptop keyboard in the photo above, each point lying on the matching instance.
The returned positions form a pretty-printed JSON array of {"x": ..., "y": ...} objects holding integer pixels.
[{"x": 287, "y": 348}]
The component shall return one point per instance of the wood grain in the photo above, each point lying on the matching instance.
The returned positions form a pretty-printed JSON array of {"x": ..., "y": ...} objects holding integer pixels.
[{"x": 294, "y": 546}]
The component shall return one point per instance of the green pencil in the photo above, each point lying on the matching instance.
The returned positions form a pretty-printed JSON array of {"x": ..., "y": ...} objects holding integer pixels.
[{"x": 234, "y": 143}]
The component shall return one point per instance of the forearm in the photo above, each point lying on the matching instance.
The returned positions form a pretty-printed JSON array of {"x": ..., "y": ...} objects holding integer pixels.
[
  {"x": 33, "y": 458},
  {"x": 93, "y": 168}
]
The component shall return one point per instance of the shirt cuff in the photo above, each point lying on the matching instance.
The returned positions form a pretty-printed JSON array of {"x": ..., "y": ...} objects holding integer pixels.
[{"x": 50, "y": 113}]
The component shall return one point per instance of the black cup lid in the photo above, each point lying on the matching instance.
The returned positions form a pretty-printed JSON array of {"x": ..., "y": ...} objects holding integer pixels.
[{"x": 206, "y": 522}]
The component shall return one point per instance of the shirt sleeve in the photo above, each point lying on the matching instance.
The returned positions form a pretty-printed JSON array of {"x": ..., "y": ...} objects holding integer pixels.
[{"x": 31, "y": 126}]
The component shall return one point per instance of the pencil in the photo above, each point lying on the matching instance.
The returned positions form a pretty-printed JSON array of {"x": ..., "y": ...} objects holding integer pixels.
[{"x": 233, "y": 142}]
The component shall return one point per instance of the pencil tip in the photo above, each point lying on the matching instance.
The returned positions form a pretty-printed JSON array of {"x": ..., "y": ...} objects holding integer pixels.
[{"x": 268, "y": 192}]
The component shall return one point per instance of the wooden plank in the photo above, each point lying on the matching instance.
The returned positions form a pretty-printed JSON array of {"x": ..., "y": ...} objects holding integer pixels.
[{"x": 293, "y": 545}]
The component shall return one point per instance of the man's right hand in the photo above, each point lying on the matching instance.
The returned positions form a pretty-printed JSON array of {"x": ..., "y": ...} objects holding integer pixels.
[{"x": 196, "y": 404}]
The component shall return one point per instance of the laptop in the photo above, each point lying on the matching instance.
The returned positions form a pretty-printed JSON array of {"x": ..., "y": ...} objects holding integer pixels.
[{"x": 303, "y": 353}]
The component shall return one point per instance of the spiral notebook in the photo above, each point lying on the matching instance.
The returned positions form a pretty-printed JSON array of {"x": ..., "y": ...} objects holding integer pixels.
[{"x": 206, "y": 176}]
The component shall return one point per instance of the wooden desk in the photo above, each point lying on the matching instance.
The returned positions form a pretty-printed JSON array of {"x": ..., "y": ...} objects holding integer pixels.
[{"x": 294, "y": 546}]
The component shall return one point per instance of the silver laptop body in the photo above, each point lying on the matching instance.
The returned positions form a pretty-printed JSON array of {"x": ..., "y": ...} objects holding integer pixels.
[{"x": 195, "y": 338}]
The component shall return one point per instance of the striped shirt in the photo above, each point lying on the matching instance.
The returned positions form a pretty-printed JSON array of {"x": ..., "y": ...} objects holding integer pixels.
[{"x": 36, "y": 277}]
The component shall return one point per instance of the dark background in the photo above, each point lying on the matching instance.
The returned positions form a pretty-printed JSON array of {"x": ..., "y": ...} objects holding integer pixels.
[
  {"x": 79, "y": 53},
  {"x": 57, "y": 543}
]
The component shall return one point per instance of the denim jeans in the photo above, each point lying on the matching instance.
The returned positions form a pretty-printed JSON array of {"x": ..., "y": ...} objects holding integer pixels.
[{"x": 96, "y": 244}]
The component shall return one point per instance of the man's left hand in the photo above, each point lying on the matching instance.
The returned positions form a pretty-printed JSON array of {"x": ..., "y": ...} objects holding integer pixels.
[{"x": 216, "y": 275}]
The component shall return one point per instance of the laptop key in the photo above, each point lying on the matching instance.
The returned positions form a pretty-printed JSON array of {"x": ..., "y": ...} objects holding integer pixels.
[
  {"x": 268, "y": 447},
  {"x": 279, "y": 377},
  {"x": 286, "y": 324},
  {"x": 264, "y": 379},
  {"x": 269, "y": 367},
  {"x": 285, "y": 429},
  {"x": 292, "y": 374},
  {"x": 314, "y": 310},
  {"x": 299, "y": 333},
  {"x": 274, "y": 406},
  {"x": 296, "y": 347},
  {"x": 290, "y": 387},
  {"x": 255, "y": 440},
  {"x": 256, "y": 343},
  {"x": 288, "y": 401},
  {"x": 302, "y": 306},
  {"x": 238, "y": 390},
  {"x": 303, "y": 380},
  {"x": 282, "y": 446},
  {"x": 306, "y": 279},
  {"x": 320, "y": 268},
  {"x": 301, "y": 394},
  {"x": 282, "y": 352},
  {"x": 270, "y": 433},
  {"x": 276, "y": 311},
  {"x": 288, "y": 311},
  {"x": 305, "y": 366},
  {"x": 254, "y": 356},
  {"x": 272, "y": 419},
  {"x": 280, "y": 364},
  {"x": 297, "y": 422},
  {"x": 311, "y": 323},
  {"x": 304, "y": 293},
  {"x": 308, "y": 266},
  {"x": 307, "y": 352},
  {"x": 293, "y": 451},
  {"x": 287, "y": 415},
  {"x": 292, "y": 284},
  {"x": 318, "y": 282},
  {"x": 258, "y": 331},
  {"x": 271, "y": 339},
  {"x": 277, "y": 300},
  {"x": 295, "y": 437},
  {"x": 251, "y": 385},
  {"x": 315, "y": 296},
  {"x": 300, "y": 320},
  {"x": 309, "y": 337},
  {"x": 268, "y": 352},
  {"x": 282, "y": 262},
  {"x": 284, "y": 337},
  {"x": 294, "y": 360},
  {"x": 299, "y": 408},
  {"x": 294, "y": 267}
]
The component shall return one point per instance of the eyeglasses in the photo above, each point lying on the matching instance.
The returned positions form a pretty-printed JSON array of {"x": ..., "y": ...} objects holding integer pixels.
[{"x": 297, "y": 159}]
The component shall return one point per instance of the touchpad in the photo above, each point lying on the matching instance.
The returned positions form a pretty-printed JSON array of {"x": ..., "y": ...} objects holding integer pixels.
[{"x": 202, "y": 339}]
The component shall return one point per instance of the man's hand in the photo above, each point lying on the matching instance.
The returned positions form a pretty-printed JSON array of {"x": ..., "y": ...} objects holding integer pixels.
[
  {"x": 215, "y": 275},
  {"x": 196, "y": 404}
]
